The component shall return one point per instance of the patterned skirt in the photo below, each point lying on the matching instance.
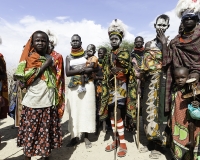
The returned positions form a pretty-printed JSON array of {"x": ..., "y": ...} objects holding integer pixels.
[
  {"x": 154, "y": 118},
  {"x": 180, "y": 132},
  {"x": 39, "y": 131}
]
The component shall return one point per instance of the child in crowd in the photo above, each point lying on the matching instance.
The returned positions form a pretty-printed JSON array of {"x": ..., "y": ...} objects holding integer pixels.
[
  {"x": 40, "y": 129},
  {"x": 183, "y": 132},
  {"x": 92, "y": 62}
]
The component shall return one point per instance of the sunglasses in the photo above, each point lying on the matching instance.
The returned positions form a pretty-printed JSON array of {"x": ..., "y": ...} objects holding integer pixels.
[{"x": 190, "y": 16}]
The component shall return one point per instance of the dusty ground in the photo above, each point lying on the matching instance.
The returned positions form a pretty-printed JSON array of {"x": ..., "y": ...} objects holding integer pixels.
[{"x": 9, "y": 150}]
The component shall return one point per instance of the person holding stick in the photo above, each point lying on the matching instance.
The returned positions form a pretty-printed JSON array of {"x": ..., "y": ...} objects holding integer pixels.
[{"x": 118, "y": 87}]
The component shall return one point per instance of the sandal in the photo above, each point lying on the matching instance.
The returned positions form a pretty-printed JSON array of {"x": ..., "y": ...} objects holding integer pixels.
[
  {"x": 156, "y": 152},
  {"x": 154, "y": 155},
  {"x": 143, "y": 149},
  {"x": 112, "y": 147},
  {"x": 122, "y": 152}
]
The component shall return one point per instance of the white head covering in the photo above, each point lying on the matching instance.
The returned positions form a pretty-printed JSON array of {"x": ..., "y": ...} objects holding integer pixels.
[
  {"x": 116, "y": 27},
  {"x": 187, "y": 7},
  {"x": 52, "y": 37}
]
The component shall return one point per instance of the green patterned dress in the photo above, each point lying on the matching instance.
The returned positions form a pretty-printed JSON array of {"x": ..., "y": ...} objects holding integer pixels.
[
  {"x": 154, "y": 118},
  {"x": 126, "y": 84}
]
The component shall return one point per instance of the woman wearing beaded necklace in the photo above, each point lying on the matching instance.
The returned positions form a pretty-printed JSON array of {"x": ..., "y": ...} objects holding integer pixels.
[{"x": 81, "y": 106}]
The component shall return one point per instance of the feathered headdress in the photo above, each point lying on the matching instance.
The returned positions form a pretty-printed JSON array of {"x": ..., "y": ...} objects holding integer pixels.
[
  {"x": 116, "y": 27},
  {"x": 52, "y": 37},
  {"x": 187, "y": 7}
]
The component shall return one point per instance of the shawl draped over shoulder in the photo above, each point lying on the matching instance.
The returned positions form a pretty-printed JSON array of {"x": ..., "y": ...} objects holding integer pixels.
[
  {"x": 179, "y": 54},
  {"x": 29, "y": 67},
  {"x": 124, "y": 59}
]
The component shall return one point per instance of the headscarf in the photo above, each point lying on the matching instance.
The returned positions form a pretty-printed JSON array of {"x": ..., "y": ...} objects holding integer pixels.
[
  {"x": 185, "y": 7},
  {"x": 29, "y": 67},
  {"x": 117, "y": 28}
]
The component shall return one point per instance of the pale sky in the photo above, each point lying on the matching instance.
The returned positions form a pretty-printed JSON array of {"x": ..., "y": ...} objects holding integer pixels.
[{"x": 88, "y": 18}]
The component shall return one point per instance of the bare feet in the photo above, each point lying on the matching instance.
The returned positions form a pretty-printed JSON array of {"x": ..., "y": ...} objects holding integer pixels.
[{"x": 88, "y": 144}]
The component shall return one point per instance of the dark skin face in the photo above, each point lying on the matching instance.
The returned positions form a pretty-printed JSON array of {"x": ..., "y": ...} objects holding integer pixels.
[
  {"x": 181, "y": 77},
  {"x": 189, "y": 23},
  {"x": 101, "y": 53},
  {"x": 40, "y": 43},
  {"x": 161, "y": 24},
  {"x": 90, "y": 50},
  {"x": 115, "y": 41},
  {"x": 139, "y": 42},
  {"x": 76, "y": 42}
]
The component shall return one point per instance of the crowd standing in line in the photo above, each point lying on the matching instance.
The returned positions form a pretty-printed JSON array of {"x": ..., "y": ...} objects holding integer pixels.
[{"x": 163, "y": 74}]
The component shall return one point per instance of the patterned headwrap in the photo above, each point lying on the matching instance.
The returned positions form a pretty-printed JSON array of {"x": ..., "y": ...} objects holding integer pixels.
[
  {"x": 185, "y": 7},
  {"x": 117, "y": 28},
  {"x": 29, "y": 67}
]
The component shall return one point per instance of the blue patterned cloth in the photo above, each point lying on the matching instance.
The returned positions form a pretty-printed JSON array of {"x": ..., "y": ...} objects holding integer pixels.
[{"x": 194, "y": 112}]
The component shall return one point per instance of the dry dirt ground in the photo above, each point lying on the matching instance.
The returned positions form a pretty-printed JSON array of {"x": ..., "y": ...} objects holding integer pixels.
[{"x": 10, "y": 151}]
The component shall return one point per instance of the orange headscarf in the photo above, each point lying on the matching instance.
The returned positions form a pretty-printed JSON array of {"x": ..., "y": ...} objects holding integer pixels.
[{"x": 32, "y": 60}]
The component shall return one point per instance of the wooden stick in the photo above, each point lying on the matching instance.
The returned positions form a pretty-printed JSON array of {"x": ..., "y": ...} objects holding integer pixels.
[
  {"x": 138, "y": 121},
  {"x": 115, "y": 116}
]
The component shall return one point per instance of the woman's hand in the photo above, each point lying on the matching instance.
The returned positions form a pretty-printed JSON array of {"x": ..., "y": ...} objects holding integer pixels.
[
  {"x": 49, "y": 61},
  {"x": 115, "y": 70},
  {"x": 161, "y": 36}
]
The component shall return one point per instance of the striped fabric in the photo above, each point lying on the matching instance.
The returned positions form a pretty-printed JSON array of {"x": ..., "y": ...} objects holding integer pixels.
[
  {"x": 120, "y": 130},
  {"x": 181, "y": 54}
]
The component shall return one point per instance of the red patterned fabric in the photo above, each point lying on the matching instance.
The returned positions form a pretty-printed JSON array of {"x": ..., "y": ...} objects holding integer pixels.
[
  {"x": 181, "y": 54},
  {"x": 60, "y": 81},
  {"x": 39, "y": 131}
]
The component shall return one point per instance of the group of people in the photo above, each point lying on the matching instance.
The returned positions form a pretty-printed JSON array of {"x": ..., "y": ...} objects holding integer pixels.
[{"x": 163, "y": 74}]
